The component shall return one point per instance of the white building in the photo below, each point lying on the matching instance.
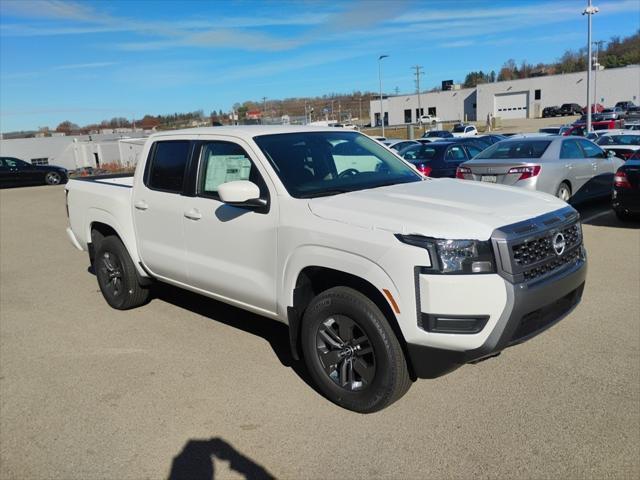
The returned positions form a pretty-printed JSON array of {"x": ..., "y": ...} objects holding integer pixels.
[
  {"x": 72, "y": 152},
  {"x": 523, "y": 98}
]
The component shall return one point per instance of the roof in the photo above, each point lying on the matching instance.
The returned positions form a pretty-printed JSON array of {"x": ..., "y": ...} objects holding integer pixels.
[{"x": 248, "y": 131}]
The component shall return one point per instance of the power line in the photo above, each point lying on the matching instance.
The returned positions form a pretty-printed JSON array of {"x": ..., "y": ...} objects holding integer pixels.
[{"x": 418, "y": 71}]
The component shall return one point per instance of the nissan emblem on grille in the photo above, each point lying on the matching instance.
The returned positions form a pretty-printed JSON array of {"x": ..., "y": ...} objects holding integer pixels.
[{"x": 558, "y": 243}]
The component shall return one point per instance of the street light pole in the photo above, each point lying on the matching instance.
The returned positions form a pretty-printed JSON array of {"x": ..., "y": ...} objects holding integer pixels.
[
  {"x": 596, "y": 66},
  {"x": 380, "y": 80},
  {"x": 589, "y": 11}
]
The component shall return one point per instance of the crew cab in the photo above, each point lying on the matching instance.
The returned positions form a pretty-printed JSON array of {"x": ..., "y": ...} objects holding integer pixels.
[{"x": 382, "y": 275}]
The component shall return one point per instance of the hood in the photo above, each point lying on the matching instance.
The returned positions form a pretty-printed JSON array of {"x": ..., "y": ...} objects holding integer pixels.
[{"x": 441, "y": 208}]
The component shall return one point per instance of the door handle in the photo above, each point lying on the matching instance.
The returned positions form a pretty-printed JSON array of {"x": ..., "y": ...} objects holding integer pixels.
[
  {"x": 193, "y": 214},
  {"x": 141, "y": 205}
]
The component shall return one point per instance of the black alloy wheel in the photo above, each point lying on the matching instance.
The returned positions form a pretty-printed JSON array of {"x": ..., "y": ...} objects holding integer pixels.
[{"x": 345, "y": 353}]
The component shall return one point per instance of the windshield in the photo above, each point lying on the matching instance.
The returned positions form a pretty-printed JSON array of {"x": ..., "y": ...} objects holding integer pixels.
[
  {"x": 515, "y": 149},
  {"x": 459, "y": 128},
  {"x": 314, "y": 164},
  {"x": 619, "y": 140}
]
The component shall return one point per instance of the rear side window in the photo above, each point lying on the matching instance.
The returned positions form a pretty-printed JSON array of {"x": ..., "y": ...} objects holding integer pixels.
[
  {"x": 168, "y": 166},
  {"x": 455, "y": 154},
  {"x": 516, "y": 149},
  {"x": 570, "y": 149}
]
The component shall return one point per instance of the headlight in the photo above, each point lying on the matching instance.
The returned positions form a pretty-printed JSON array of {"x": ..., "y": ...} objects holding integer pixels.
[{"x": 454, "y": 256}]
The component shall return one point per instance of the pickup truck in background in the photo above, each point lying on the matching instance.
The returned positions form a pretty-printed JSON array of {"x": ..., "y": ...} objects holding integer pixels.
[{"x": 383, "y": 276}]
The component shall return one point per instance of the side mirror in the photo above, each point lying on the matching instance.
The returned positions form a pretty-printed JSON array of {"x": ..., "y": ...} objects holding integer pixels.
[
  {"x": 241, "y": 193},
  {"x": 611, "y": 153}
]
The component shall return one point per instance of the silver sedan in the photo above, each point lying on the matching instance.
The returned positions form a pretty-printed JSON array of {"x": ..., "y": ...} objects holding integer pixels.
[{"x": 567, "y": 167}]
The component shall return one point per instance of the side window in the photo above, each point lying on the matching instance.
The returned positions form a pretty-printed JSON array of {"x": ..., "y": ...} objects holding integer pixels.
[
  {"x": 455, "y": 154},
  {"x": 222, "y": 162},
  {"x": 168, "y": 166},
  {"x": 591, "y": 150},
  {"x": 473, "y": 150},
  {"x": 11, "y": 162},
  {"x": 570, "y": 149}
]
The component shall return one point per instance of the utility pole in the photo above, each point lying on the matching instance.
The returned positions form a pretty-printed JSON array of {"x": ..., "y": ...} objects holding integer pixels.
[
  {"x": 589, "y": 12},
  {"x": 596, "y": 64},
  {"x": 264, "y": 107},
  {"x": 418, "y": 69},
  {"x": 380, "y": 80}
]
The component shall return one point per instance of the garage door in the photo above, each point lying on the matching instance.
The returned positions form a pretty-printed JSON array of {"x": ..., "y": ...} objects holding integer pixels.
[{"x": 511, "y": 105}]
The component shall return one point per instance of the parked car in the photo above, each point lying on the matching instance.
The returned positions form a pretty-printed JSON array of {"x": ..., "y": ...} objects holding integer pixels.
[
  {"x": 625, "y": 105},
  {"x": 623, "y": 144},
  {"x": 382, "y": 275},
  {"x": 462, "y": 130},
  {"x": 551, "y": 112},
  {"x": 398, "y": 144},
  {"x": 437, "y": 134},
  {"x": 615, "y": 113},
  {"x": 439, "y": 159},
  {"x": 625, "y": 198},
  {"x": 569, "y": 168},
  {"x": 635, "y": 125},
  {"x": 633, "y": 114},
  {"x": 15, "y": 172},
  {"x": 595, "y": 108},
  {"x": 428, "y": 119},
  {"x": 570, "y": 109}
]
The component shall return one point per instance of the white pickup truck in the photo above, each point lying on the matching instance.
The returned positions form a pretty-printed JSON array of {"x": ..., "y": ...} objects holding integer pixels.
[{"x": 382, "y": 275}]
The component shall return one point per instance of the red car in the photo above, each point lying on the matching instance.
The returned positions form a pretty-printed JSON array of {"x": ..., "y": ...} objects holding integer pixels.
[{"x": 595, "y": 108}]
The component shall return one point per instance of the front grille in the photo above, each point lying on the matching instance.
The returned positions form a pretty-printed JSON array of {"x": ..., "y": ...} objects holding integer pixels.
[
  {"x": 537, "y": 249},
  {"x": 526, "y": 250}
]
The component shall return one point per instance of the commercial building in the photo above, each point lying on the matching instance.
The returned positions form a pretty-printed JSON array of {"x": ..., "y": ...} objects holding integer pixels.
[
  {"x": 72, "y": 152},
  {"x": 525, "y": 98}
]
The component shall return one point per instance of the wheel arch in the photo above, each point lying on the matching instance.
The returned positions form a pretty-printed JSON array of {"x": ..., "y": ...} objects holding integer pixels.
[
  {"x": 314, "y": 279},
  {"x": 104, "y": 224}
]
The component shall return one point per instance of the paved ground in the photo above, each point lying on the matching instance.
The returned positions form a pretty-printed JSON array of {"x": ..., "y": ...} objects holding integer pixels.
[{"x": 91, "y": 393}]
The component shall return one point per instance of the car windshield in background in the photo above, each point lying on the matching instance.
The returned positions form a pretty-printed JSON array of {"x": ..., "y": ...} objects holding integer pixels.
[
  {"x": 619, "y": 140},
  {"x": 515, "y": 149},
  {"x": 459, "y": 128},
  {"x": 315, "y": 164}
]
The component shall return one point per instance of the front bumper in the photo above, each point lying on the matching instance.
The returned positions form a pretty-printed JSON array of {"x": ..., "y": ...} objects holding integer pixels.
[{"x": 531, "y": 309}]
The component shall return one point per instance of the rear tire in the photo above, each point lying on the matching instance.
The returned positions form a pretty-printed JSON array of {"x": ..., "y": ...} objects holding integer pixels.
[
  {"x": 564, "y": 192},
  {"x": 351, "y": 351},
  {"x": 52, "y": 178},
  {"x": 117, "y": 276}
]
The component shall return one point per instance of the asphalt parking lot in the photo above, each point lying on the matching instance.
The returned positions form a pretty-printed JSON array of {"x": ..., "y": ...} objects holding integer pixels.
[{"x": 88, "y": 392}]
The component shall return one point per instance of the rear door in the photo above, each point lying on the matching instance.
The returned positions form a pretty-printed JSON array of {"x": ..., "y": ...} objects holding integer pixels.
[
  {"x": 158, "y": 208},
  {"x": 603, "y": 168},
  {"x": 454, "y": 156},
  {"x": 577, "y": 169}
]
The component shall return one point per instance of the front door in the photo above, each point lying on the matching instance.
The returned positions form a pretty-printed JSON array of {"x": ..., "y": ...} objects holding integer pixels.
[
  {"x": 158, "y": 208},
  {"x": 231, "y": 251}
]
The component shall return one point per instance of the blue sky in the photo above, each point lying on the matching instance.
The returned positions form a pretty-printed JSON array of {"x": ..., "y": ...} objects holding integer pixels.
[{"x": 86, "y": 61}]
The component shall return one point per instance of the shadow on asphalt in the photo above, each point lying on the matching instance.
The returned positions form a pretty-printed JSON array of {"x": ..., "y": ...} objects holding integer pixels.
[
  {"x": 196, "y": 461},
  {"x": 274, "y": 332}
]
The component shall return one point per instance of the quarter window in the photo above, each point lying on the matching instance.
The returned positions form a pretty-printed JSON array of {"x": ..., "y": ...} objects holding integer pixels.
[{"x": 168, "y": 166}]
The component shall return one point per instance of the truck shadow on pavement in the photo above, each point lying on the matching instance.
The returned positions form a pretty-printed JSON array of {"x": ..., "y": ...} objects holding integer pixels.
[
  {"x": 274, "y": 332},
  {"x": 196, "y": 461}
]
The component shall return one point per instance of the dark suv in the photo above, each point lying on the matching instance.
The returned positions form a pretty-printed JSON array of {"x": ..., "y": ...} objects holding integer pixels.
[
  {"x": 625, "y": 105},
  {"x": 570, "y": 109},
  {"x": 551, "y": 112}
]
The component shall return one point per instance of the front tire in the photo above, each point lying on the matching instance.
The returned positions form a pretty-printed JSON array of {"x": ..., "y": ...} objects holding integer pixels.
[
  {"x": 117, "y": 276},
  {"x": 352, "y": 353},
  {"x": 564, "y": 192}
]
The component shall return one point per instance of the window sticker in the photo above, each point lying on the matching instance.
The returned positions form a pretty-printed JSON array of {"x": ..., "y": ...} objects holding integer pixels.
[{"x": 225, "y": 168}]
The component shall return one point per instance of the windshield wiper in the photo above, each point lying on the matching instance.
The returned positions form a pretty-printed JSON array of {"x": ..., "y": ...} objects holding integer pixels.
[{"x": 324, "y": 193}]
